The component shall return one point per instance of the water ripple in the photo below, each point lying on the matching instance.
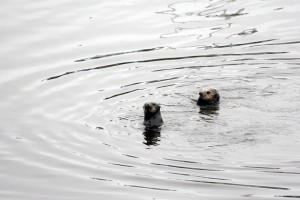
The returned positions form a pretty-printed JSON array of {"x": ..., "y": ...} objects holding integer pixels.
[
  {"x": 120, "y": 53},
  {"x": 79, "y": 134},
  {"x": 161, "y": 59}
]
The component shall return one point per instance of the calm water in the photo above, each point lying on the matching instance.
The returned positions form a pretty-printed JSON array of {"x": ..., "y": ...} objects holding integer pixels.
[{"x": 75, "y": 75}]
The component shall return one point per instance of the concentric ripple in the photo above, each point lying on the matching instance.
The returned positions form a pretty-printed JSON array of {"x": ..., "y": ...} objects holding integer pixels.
[{"x": 75, "y": 75}]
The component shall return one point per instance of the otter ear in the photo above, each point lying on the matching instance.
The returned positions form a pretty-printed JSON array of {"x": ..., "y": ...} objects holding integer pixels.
[{"x": 159, "y": 107}]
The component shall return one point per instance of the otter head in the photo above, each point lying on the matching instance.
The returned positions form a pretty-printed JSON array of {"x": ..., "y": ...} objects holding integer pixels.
[
  {"x": 152, "y": 116},
  {"x": 208, "y": 96},
  {"x": 151, "y": 108}
]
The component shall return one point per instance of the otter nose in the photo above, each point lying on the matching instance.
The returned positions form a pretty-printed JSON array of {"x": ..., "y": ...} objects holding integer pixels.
[
  {"x": 200, "y": 93},
  {"x": 147, "y": 107}
]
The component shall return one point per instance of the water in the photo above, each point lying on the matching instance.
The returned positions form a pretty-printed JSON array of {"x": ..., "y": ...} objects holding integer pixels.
[{"x": 75, "y": 75}]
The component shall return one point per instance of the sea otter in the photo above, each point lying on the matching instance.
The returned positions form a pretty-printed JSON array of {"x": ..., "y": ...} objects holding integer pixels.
[
  {"x": 152, "y": 116},
  {"x": 208, "y": 96}
]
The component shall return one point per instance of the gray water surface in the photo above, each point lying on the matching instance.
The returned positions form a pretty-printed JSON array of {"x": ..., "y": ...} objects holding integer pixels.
[{"x": 75, "y": 75}]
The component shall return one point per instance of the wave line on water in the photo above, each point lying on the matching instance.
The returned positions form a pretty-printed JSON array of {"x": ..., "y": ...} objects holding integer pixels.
[
  {"x": 241, "y": 44},
  {"x": 281, "y": 172},
  {"x": 182, "y": 167},
  {"x": 200, "y": 66},
  {"x": 184, "y": 161},
  {"x": 120, "y": 53},
  {"x": 101, "y": 179},
  {"x": 121, "y": 165},
  {"x": 152, "y": 188},
  {"x": 240, "y": 185},
  {"x": 161, "y": 59},
  {"x": 288, "y": 196},
  {"x": 161, "y": 80},
  {"x": 274, "y": 44},
  {"x": 116, "y": 95},
  {"x": 206, "y": 177}
]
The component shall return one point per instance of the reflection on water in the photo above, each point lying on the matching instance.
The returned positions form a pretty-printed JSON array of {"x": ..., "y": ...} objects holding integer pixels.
[
  {"x": 152, "y": 136},
  {"x": 200, "y": 33},
  {"x": 73, "y": 82},
  {"x": 209, "y": 109}
]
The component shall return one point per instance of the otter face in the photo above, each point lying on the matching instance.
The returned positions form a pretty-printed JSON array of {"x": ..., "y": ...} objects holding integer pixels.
[
  {"x": 208, "y": 96},
  {"x": 152, "y": 116},
  {"x": 151, "y": 107}
]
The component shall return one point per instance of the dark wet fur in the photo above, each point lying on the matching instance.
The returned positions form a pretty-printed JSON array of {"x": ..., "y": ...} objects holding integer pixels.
[{"x": 152, "y": 115}]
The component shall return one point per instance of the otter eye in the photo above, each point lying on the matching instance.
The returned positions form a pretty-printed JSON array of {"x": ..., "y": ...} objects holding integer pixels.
[{"x": 208, "y": 92}]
